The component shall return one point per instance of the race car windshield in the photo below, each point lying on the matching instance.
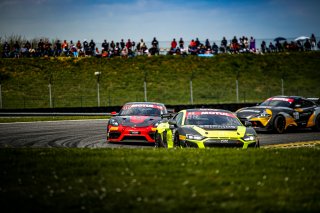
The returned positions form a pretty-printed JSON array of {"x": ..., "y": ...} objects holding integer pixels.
[
  {"x": 277, "y": 103},
  {"x": 212, "y": 120},
  {"x": 140, "y": 111}
]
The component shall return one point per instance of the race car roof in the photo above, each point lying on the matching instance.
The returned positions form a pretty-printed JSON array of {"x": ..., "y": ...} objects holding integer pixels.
[
  {"x": 144, "y": 103},
  {"x": 207, "y": 109}
]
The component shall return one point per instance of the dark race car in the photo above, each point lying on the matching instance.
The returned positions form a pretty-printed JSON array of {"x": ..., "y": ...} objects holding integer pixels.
[
  {"x": 201, "y": 128},
  {"x": 281, "y": 112},
  {"x": 136, "y": 122}
]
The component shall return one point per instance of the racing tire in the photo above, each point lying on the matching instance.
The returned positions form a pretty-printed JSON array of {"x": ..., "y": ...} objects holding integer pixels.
[
  {"x": 317, "y": 124},
  {"x": 257, "y": 144},
  {"x": 158, "y": 142},
  {"x": 279, "y": 124},
  {"x": 176, "y": 141}
]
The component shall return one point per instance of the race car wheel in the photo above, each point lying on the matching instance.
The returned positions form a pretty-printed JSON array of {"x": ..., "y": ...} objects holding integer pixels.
[
  {"x": 159, "y": 142},
  {"x": 257, "y": 144},
  {"x": 157, "y": 139},
  {"x": 317, "y": 124},
  {"x": 279, "y": 124},
  {"x": 176, "y": 141}
]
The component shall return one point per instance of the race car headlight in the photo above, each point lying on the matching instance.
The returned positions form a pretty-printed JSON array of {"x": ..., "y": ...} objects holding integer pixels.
[
  {"x": 194, "y": 137},
  {"x": 156, "y": 124},
  {"x": 113, "y": 122},
  {"x": 266, "y": 113},
  {"x": 249, "y": 138}
]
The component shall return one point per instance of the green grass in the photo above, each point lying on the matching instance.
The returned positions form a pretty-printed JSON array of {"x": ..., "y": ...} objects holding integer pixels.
[
  {"x": 48, "y": 118},
  {"x": 159, "y": 180},
  {"x": 25, "y": 81}
]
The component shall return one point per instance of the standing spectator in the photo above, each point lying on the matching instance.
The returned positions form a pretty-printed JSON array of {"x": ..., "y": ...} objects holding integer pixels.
[
  {"x": 105, "y": 46},
  {"x": 116, "y": 51},
  {"x": 133, "y": 45},
  {"x": 47, "y": 48},
  {"x": 86, "y": 49},
  {"x": 197, "y": 42},
  {"x": 207, "y": 44},
  {"x": 27, "y": 45},
  {"x": 272, "y": 48},
  {"x": 41, "y": 47},
  {"x": 92, "y": 46},
  {"x": 235, "y": 45},
  {"x": 58, "y": 48},
  {"x": 122, "y": 44},
  {"x": 279, "y": 46},
  {"x": 181, "y": 43},
  {"x": 78, "y": 45},
  {"x": 252, "y": 44},
  {"x": 193, "y": 47},
  {"x": 79, "y": 48},
  {"x": 16, "y": 49},
  {"x": 223, "y": 46},
  {"x": 128, "y": 45},
  {"x": 155, "y": 43},
  {"x": 112, "y": 45},
  {"x": 313, "y": 41},
  {"x": 26, "y": 49},
  {"x": 143, "y": 46},
  {"x": 173, "y": 44},
  {"x": 6, "y": 50},
  {"x": 263, "y": 46},
  {"x": 65, "y": 47}
]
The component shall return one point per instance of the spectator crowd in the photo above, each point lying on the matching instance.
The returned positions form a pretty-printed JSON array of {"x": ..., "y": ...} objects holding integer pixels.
[{"x": 130, "y": 48}]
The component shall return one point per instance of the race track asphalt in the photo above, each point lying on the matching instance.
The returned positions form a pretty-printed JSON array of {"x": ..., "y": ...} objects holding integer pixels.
[{"x": 92, "y": 133}]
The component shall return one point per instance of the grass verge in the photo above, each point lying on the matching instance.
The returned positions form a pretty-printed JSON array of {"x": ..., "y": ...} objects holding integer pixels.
[
  {"x": 25, "y": 82},
  {"x": 159, "y": 180}
]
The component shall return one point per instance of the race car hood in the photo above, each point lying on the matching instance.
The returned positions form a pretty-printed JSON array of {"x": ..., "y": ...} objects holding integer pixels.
[
  {"x": 137, "y": 121},
  {"x": 250, "y": 112},
  {"x": 218, "y": 131}
]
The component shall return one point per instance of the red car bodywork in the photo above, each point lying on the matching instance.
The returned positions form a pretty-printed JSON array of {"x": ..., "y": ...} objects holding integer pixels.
[{"x": 136, "y": 122}]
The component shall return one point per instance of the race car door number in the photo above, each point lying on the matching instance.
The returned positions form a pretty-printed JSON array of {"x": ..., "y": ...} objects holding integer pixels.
[{"x": 134, "y": 132}]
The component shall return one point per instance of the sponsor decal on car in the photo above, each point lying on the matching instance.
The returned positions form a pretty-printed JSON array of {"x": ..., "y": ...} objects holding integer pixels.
[
  {"x": 290, "y": 100},
  {"x": 210, "y": 113},
  {"x": 128, "y": 106},
  {"x": 217, "y": 127}
]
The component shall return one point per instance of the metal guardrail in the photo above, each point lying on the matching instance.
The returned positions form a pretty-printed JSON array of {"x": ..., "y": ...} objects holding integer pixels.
[{"x": 47, "y": 114}]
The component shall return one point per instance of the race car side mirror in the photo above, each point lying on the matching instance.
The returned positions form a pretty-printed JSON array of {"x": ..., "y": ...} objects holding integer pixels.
[
  {"x": 172, "y": 124},
  {"x": 168, "y": 116},
  {"x": 247, "y": 123}
]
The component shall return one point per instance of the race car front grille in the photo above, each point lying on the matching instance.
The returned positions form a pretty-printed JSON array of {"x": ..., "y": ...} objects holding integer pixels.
[
  {"x": 114, "y": 135},
  {"x": 152, "y": 135},
  {"x": 134, "y": 139},
  {"x": 223, "y": 143}
]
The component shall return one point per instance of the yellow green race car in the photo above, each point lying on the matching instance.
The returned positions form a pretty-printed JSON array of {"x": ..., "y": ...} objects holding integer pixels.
[{"x": 201, "y": 128}]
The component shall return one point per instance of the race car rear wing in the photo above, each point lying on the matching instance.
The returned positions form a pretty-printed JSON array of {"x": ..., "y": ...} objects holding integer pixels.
[{"x": 315, "y": 100}]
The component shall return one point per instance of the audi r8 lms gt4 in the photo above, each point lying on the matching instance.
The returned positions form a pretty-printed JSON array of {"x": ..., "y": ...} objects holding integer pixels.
[
  {"x": 281, "y": 112},
  {"x": 136, "y": 122},
  {"x": 201, "y": 128}
]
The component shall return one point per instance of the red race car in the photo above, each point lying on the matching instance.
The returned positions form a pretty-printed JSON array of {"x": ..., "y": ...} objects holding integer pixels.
[{"x": 136, "y": 122}]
